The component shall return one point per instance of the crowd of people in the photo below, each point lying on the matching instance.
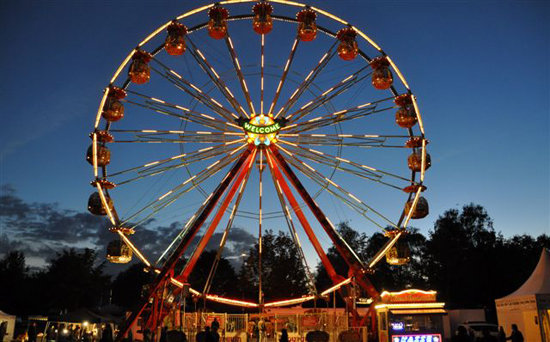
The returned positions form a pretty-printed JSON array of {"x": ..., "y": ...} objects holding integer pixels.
[{"x": 61, "y": 332}]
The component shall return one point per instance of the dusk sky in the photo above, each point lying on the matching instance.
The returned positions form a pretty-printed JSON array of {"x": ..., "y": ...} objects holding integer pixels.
[{"x": 480, "y": 70}]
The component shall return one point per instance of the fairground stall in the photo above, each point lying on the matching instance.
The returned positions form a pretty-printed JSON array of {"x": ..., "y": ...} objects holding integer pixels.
[{"x": 411, "y": 316}]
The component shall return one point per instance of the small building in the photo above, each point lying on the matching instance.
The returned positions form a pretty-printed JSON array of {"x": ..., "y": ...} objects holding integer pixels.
[
  {"x": 411, "y": 315},
  {"x": 529, "y": 306},
  {"x": 10, "y": 325}
]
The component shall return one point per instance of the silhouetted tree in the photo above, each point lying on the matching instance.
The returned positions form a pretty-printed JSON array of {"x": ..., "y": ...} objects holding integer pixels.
[
  {"x": 461, "y": 256},
  {"x": 128, "y": 285},
  {"x": 283, "y": 275},
  {"x": 357, "y": 242},
  {"x": 396, "y": 278},
  {"x": 72, "y": 280},
  {"x": 13, "y": 284},
  {"x": 223, "y": 283}
]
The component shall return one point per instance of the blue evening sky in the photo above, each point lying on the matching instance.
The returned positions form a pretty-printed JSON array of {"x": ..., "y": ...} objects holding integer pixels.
[{"x": 480, "y": 70}]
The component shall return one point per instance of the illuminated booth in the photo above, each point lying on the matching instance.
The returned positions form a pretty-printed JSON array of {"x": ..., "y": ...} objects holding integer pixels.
[{"x": 410, "y": 316}]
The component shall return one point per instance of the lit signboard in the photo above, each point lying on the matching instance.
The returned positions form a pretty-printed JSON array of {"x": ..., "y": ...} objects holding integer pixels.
[
  {"x": 417, "y": 338},
  {"x": 397, "y": 325},
  {"x": 273, "y": 128}
]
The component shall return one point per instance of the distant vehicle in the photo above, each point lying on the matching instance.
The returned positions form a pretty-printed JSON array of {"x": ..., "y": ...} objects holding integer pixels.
[{"x": 476, "y": 328}]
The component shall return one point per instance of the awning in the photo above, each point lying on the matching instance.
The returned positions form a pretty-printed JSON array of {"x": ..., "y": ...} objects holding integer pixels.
[{"x": 418, "y": 311}]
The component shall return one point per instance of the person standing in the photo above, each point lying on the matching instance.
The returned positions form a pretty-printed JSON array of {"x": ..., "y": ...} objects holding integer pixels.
[
  {"x": 261, "y": 330},
  {"x": 215, "y": 325},
  {"x": 32, "y": 332},
  {"x": 461, "y": 335},
  {"x": 284, "y": 336},
  {"x": 516, "y": 335},
  {"x": 501, "y": 335},
  {"x": 3, "y": 330}
]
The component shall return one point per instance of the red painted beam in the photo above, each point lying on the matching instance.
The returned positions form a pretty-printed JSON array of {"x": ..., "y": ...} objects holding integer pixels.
[
  {"x": 355, "y": 264},
  {"x": 216, "y": 220},
  {"x": 184, "y": 243},
  {"x": 303, "y": 220}
]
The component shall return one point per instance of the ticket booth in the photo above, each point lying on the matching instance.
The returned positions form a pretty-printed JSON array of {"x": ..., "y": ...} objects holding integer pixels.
[{"x": 410, "y": 316}]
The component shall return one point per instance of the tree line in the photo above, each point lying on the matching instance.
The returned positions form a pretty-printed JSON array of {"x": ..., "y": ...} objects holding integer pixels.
[{"x": 463, "y": 257}]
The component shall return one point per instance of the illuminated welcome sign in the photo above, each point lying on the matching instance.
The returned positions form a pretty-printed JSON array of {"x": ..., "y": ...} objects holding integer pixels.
[
  {"x": 273, "y": 128},
  {"x": 261, "y": 129},
  {"x": 417, "y": 338}
]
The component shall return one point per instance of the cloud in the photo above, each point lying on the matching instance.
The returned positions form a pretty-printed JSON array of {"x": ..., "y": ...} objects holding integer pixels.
[{"x": 41, "y": 230}]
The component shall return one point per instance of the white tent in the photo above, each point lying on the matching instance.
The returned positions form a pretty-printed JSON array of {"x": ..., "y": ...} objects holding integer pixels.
[
  {"x": 4, "y": 317},
  {"x": 529, "y": 306}
]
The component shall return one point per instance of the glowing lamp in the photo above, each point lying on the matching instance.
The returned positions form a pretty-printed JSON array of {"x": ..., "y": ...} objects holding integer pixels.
[
  {"x": 175, "y": 40},
  {"x": 113, "y": 110},
  {"x": 415, "y": 161},
  {"x": 217, "y": 25},
  {"x": 399, "y": 253},
  {"x": 103, "y": 155},
  {"x": 348, "y": 48},
  {"x": 262, "y": 22},
  {"x": 422, "y": 208},
  {"x": 261, "y": 129},
  {"x": 307, "y": 27},
  {"x": 382, "y": 77},
  {"x": 118, "y": 252},
  {"x": 95, "y": 206},
  {"x": 406, "y": 115},
  {"x": 140, "y": 71}
]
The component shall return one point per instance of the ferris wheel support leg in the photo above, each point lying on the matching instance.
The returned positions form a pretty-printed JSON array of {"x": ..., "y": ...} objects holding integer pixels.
[
  {"x": 216, "y": 220},
  {"x": 171, "y": 262},
  {"x": 303, "y": 220},
  {"x": 355, "y": 264}
]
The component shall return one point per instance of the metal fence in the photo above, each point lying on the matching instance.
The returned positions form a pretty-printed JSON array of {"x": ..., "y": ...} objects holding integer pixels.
[{"x": 265, "y": 327}]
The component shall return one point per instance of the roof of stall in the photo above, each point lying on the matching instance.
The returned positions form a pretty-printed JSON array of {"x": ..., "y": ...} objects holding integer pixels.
[{"x": 539, "y": 281}]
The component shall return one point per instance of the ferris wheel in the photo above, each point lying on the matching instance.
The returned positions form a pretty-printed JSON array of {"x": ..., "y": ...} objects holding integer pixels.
[{"x": 209, "y": 101}]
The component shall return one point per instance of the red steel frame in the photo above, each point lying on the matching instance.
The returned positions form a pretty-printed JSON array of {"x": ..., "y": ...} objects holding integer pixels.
[
  {"x": 356, "y": 266},
  {"x": 237, "y": 175},
  {"x": 168, "y": 267}
]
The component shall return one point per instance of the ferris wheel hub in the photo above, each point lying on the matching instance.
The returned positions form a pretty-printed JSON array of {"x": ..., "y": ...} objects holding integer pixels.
[{"x": 262, "y": 129}]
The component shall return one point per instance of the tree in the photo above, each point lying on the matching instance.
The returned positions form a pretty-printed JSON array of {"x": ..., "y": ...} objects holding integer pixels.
[
  {"x": 283, "y": 274},
  {"x": 355, "y": 240},
  {"x": 72, "y": 281},
  {"x": 14, "y": 274},
  {"x": 128, "y": 285},
  {"x": 223, "y": 283},
  {"x": 396, "y": 278},
  {"x": 461, "y": 256}
]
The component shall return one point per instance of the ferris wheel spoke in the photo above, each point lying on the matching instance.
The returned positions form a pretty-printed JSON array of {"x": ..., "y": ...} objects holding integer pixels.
[
  {"x": 174, "y": 136},
  {"x": 360, "y": 206},
  {"x": 282, "y": 185},
  {"x": 215, "y": 77},
  {"x": 294, "y": 234},
  {"x": 307, "y": 81},
  {"x": 191, "y": 183},
  {"x": 156, "y": 168},
  {"x": 283, "y": 77},
  {"x": 337, "y": 117},
  {"x": 357, "y": 140},
  {"x": 360, "y": 170},
  {"x": 229, "y": 195},
  {"x": 225, "y": 235},
  {"x": 164, "y": 108},
  {"x": 239, "y": 72},
  {"x": 330, "y": 94},
  {"x": 262, "y": 67},
  {"x": 192, "y": 90}
]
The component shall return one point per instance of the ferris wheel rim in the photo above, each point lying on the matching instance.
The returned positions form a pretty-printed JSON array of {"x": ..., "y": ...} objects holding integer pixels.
[{"x": 204, "y": 8}]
